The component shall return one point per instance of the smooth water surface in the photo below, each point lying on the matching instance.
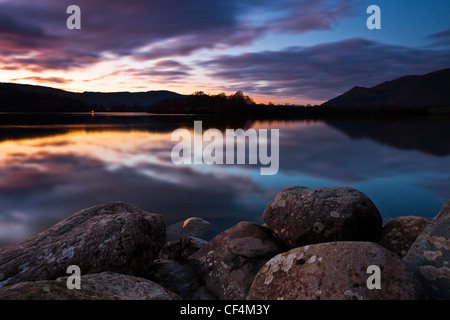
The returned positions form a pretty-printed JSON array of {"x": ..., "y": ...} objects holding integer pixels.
[{"x": 54, "y": 165}]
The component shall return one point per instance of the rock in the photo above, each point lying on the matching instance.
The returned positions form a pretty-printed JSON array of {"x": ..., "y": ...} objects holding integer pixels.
[
  {"x": 192, "y": 227},
  {"x": 335, "y": 271},
  {"x": 101, "y": 286},
  {"x": 114, "y": 237},
  {"x": 181, "y": 279},
  {"x": 429, "y": 255},
  {"x": 229, "y": 262},
  {"x": 172, "y": 272},
  {"x": 300, "y": 216},
  {"x": 181, "y": 249},
  {"x": 398, "y": 234}
]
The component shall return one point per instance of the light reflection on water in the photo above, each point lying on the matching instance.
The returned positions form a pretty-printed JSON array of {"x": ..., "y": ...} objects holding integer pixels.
[{"x": 52, "y": 166}]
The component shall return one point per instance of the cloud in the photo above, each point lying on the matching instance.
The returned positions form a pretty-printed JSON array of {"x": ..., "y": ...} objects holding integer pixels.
[
  {"x": 10, "y": 68},
  {"x": 307, "y": 15},
  {"x": 35, "y": 35},
  {"x": 163, "y": 75},
  {"x": 440, "y": 39},
  {"x": 325, "y": 70},
  {"x": 118, "y": 28},
  {"x": 171, "y": 64},
  {"x": 45, "y": 79},
  {"x": 163, "y": 70}
]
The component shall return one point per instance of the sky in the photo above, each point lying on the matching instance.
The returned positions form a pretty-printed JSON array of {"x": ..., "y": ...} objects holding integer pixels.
[{"x": 284, "y": 51}]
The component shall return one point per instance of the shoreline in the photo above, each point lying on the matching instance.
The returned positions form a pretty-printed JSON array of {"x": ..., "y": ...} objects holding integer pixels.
[{"x": 247, "y": 261}]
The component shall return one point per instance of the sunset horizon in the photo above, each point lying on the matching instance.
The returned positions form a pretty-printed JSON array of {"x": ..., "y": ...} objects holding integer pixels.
[{"x": 301, "y": 52}]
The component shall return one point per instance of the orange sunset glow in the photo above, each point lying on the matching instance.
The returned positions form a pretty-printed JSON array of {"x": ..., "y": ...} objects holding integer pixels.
[{"x": 294, "y": 52}]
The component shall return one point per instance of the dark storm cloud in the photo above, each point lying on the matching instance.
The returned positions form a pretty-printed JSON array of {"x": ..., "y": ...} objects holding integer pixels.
[
  {"x": 166, "y": 28},
  {"x": 324, "y": 70}
]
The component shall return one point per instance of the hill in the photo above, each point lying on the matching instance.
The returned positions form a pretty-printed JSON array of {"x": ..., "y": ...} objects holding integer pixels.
[
  {"x": 432, "y": 89},
  {"x": 30, "y": 98}
]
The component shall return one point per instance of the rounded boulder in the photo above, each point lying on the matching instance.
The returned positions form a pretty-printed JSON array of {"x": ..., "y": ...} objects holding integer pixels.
[
  {"x": 299, "y": 216},
  {"x": 347, "y": 270}
]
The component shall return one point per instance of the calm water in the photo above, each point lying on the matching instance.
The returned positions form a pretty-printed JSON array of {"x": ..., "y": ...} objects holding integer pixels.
[{"x": 54, "y": 165}]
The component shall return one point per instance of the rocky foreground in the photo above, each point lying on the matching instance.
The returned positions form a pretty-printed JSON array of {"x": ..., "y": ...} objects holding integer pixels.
[{"x": 316, "y": 243}]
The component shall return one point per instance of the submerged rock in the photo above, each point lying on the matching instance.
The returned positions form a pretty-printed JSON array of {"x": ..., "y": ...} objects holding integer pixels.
[
  {"x": 301, "y": 215},
  {"x": 102, "y": 286},
  {"x": 230, "y": 261},
  {"x": 398, "y": 234},
  {"x": 335, "y": 271},
  {"x": 192, "y": 227},
  {"x": 429, "y": 255},
  {"x": 115, "y": 237}
]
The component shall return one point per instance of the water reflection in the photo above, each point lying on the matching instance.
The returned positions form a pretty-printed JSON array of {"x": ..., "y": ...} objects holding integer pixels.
[{"x": 52, "y": 166}]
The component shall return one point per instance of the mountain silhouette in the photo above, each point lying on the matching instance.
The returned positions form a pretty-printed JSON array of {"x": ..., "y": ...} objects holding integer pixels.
[
  {"x": 431, "y": 89},
  {"x": 30, "y": 98}
]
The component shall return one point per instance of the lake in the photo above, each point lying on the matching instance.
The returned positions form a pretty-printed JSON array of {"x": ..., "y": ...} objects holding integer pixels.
[{"x": 54, "y": 165}]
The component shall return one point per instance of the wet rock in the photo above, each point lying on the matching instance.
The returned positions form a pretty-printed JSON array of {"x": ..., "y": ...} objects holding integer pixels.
[
  {"x": 229, "y": 262},
  {"x": 192, "y": 227},
  {"x": 102, "y": 286},
  {"x": 181, "y": 279},
  {"x": 114, "y": 237},
  {"x": 181, "y": 249},
  {"x": 172, "y": 272},
  {"x": 398, "y": 234},
  {"x": 429, "y": 255},
  {"x": 301, "y": 215},
  {"x": 335, "y": 271}
]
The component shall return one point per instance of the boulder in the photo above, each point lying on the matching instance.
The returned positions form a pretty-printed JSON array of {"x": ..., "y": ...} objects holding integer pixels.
[
  {"x": 301, "y": 215},
  {"x": 192, "y": 227},
  {"x": 429, "y": 255},
  {"x": 102, "y": 286},
  {"x": 172, "y": 272},
  {"x": 115, "y": 237},
  {"x": 181, "y": 249},
  {"x": 181, "y": 279},
  {"x": 336, "y": 271},
  {"x": 229, "y": 262},
  {"x": 398, "y": 234}
]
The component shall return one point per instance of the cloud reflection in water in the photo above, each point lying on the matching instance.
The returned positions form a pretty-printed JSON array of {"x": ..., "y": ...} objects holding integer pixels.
[{"x": 45, "y": 179}]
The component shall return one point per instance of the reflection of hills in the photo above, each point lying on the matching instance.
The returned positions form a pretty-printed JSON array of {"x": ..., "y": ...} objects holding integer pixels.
[
  {"x": 428, "y": 136},
  {"x": 21, "y": 126}
]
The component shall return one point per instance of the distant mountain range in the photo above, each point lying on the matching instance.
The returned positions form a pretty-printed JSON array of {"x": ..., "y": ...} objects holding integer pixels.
[
  {"x": 429, "y": 90},
  {"x": 432, "y": 89},
  {"x": 30, "y": 98}
]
